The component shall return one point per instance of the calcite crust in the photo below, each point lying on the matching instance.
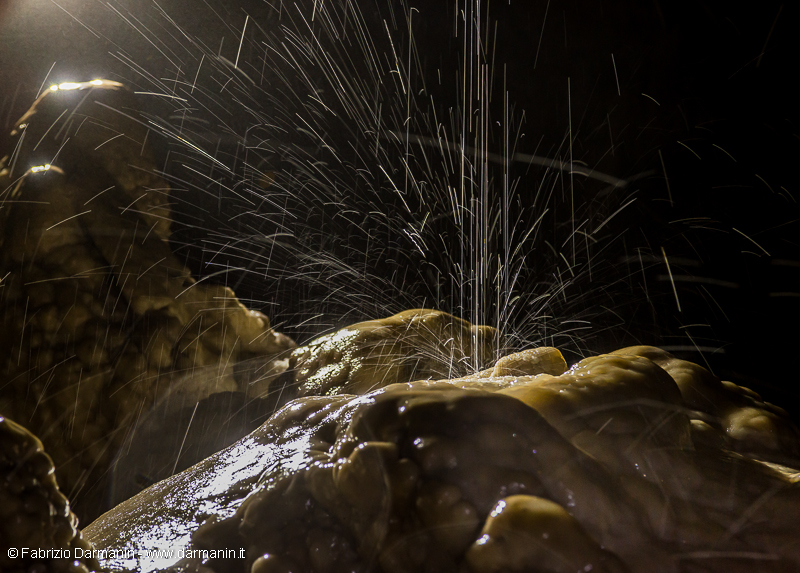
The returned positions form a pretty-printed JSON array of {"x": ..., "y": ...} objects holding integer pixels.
[{"x": 604, "y": 466}]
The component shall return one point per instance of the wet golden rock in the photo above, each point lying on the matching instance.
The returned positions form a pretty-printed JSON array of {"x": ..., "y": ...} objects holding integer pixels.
[
  {"x": 414, "y": 344},
  {"x": 528, "y": 533},
  {"x": 530, "y": 362},
  {"x": 91, "y": 284},
  {"x": 34, "y": 514},
  {"x": 740, "y": 417},
  {"x": 603, "y": 467}
]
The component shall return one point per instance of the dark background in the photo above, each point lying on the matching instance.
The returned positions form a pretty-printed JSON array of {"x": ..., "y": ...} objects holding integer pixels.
[{"x": 700, "y": 98}]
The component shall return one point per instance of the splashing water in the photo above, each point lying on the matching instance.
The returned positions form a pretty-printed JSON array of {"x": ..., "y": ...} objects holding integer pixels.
[
  {"x": 335, "y": 161},
  {"x": 334, "y": 166}
]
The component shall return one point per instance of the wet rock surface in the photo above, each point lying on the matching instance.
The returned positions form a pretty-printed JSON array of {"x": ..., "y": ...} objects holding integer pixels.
[
  {"x": 38, "y": 531},
  {"x": 611, "y": 464},
  {"x": 414, "y": 344},
  {"x": 102, "y": 320}
]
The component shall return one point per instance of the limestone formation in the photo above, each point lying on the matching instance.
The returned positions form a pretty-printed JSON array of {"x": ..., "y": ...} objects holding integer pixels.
[
  {"x": 611, "y": 465},
  {"x": 101, "y": 320},
  {"x": 38, "y": 532}
]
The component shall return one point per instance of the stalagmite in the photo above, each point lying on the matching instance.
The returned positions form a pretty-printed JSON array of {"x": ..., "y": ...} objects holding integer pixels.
[{"x": 106, "y": 320}]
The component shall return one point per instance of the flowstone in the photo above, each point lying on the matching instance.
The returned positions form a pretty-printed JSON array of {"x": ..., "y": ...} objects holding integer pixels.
[
  {"x": 101, "y": 319},
  {"x": 631, "y": 461}
]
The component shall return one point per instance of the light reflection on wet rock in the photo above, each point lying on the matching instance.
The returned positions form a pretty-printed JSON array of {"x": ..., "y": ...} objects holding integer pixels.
[
  {"x": 411, "y": 345},
  {"x": 605, "y": 465}
]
